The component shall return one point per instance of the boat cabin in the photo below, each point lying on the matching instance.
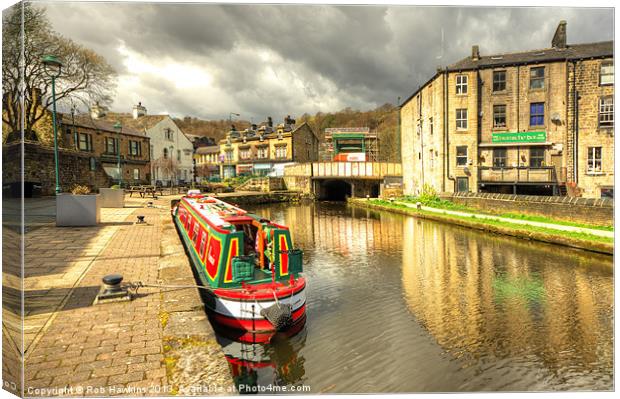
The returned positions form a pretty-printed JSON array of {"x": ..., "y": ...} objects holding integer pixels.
[{"x": 234, "y": 248}]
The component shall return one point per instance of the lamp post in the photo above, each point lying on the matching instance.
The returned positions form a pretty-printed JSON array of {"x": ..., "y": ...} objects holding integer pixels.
[
  {"x": 119, "y": 128},
  {"x": 230, "y": 115},
  {"x": 53, "y": 68}
]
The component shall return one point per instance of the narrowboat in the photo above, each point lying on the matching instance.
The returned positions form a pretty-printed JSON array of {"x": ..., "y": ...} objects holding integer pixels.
[{"x": 248, "y": 265}]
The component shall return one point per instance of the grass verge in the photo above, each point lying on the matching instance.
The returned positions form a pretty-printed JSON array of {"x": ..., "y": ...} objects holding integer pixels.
[
  {"x": 449, "y": 205},
  {"x": 573, "y": 239}
]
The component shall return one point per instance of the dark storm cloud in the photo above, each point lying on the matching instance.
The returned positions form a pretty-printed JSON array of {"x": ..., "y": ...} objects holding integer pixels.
[{"x": 275, "y": 59}]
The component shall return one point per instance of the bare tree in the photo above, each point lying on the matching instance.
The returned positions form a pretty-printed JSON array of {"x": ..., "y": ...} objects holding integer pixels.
[{"x": 85, "y": 77}]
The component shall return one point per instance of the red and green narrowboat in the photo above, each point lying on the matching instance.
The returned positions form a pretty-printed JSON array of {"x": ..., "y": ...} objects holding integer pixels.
[{"x": 249, "y": 264}]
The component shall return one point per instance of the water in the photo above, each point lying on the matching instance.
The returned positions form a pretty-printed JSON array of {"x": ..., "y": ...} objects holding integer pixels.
[{"x": 398, "y": 304}]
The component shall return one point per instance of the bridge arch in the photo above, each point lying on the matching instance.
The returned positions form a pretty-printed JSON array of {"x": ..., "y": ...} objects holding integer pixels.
[{"x": 334, "y": 190}]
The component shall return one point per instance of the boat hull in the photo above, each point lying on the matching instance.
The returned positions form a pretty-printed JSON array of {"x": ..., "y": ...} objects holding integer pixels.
[{"x": 239, "y": 309}]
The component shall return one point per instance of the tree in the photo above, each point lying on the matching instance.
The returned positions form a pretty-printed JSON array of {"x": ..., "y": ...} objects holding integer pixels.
[{"x": 86, "y": 76}]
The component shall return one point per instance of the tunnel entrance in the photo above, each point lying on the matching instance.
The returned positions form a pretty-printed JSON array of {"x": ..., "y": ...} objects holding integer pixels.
[{"x": 335, "y": 190}]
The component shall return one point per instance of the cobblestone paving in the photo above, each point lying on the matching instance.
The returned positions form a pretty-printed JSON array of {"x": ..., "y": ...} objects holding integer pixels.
[{"x": 116, "y": 348}]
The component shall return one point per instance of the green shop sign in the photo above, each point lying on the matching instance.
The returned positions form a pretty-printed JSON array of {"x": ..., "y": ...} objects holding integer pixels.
[{"x": 519, "y": 137}]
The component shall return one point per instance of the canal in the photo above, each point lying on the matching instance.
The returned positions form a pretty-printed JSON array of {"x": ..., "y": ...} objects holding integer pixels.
[{"x": 399, "y": 304}]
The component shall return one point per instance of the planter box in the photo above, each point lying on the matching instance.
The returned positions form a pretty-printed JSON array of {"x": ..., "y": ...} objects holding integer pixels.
[
  {"x": 78, "y": 210},
  {"x": 112, "y": 197}
]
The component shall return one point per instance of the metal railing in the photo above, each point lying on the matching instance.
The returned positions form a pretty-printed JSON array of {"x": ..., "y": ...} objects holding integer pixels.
[{"x": 521, "y": 174}]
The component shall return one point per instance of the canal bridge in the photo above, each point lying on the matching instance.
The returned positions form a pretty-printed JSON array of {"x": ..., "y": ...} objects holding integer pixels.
[{"x": 338, "y": 180}]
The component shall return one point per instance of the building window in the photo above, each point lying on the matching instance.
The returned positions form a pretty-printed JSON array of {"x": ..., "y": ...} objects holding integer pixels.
[
  {"x": 607, "y": 73},
  {"x": 499, "y": 157},
  {"x": 262, "y": 152},
  {"x": 281, "y": 151},
  {"x": 110, "y": 145},
  {"x": 595, "y": 159},
  {"x": 537, "y": 157},
  {"x": 179, "y": 155},
  {"x": 499, "y": 116},
  {"x": 499, "y": 80},
  {"x": 152, "y": 151},
  {"x": 461, "y": 119},
  {"x": 136, "y": 174},
  {"x": 461, "y": 84},
  {"x": 228, "y": 156},
  {"x": 461, "y": 156},
  {"x": 93, "y": 163},
  {"x": 462, "y": 184},
  {"x": 165, "y": 153},
  {"x": 607, "y": 192},
  {"x": 606, "y": 112},
  {"x": 244, "y": 154},
  {"x": 431, "y": 158},
  {"x": 430, "y": 122},
  {"x": 85, "y": 142},
  {"x": 135, "y": 148},
  {"x": 169, "y": 134},
  {"x": 537, "y": 78},
  {"x": 537, "y": 114}
]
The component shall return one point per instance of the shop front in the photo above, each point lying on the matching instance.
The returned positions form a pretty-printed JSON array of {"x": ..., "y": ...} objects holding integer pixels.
[{"x": 262, "y": 169}]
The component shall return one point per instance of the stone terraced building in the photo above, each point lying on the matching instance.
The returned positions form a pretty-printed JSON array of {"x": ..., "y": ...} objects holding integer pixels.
[{"x": 537, "y": 122}]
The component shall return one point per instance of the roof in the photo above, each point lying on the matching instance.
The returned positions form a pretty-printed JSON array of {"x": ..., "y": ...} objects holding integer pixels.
[
  {"x": 141, "y": 124},
  {"x": 208, "y": 149},
  {"x": 272, "y": 134},
  {"x": 85, "y": 120},
  {"x": 571, "y": 52}
]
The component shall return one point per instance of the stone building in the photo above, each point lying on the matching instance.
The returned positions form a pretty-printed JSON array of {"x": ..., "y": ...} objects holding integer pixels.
[
  {"x": 171, "y": 151},
  {"x": 207, "y": 161},
  {"x": 536, "y": 122},
  {"x": 102, "y": 142},
  {"x": 265, "y": 150}
]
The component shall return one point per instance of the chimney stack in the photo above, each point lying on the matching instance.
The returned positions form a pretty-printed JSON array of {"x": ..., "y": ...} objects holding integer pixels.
[
  {"x": 559, "y": 38},
  {"x": 139, "y": 110},
  {"x": 97, "y": 111},
  {"x": 475, "y": 52}
]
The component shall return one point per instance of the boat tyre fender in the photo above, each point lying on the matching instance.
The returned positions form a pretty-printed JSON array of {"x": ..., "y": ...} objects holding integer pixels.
[{"x": 279, "y": 314}]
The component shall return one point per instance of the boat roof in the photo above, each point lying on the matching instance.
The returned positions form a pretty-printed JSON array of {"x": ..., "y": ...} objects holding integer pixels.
[{"x": 218, "y": 213}]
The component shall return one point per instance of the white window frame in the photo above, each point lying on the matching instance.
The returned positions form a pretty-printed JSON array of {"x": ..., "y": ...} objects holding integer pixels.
[
  {"x": 461, "y": 121},
  {"x": 606, "y": 73},
  {"x": 606, "y": 112},
  {"x": 461, "y": 84},
  {"x": 595, "y": 161}
]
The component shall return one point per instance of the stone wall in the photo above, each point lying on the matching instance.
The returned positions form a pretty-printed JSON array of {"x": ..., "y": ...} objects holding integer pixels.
[
  {"x": 74, "y": 168},
  {"x": 594, "y": 211}
]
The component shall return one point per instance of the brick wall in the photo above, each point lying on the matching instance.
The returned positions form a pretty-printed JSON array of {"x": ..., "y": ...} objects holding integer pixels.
[
  {"x": 581, "y": 210},
  {"x": 74, "y": 168}
]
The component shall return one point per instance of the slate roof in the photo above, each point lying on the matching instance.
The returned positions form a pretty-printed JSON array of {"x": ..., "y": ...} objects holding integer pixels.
[
  {"x": 208, "y": 149},
  {"x": 571, "y": 52},
  {"x": 85, "y": 120},
  {"x": 141, "y": 124}
]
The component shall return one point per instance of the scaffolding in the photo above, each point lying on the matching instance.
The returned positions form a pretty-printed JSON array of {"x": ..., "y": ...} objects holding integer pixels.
[{"x": 350, "y": 144}]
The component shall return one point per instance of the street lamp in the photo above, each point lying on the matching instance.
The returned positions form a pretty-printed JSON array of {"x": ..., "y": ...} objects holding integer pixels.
[
  {"x": 119, "y": 128},
  {"x": 230, "y": 116},
  {"x": 53, "y": 68}
]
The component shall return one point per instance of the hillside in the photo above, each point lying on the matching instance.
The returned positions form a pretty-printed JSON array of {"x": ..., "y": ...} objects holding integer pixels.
[{"x": 383, "y": 119}]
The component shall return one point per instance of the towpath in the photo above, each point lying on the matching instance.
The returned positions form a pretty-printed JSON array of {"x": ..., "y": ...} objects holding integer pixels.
[{"x": 130, "y": 348}]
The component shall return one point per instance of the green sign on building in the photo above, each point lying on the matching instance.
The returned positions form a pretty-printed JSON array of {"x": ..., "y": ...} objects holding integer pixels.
[{"x": 519, "y": 137}]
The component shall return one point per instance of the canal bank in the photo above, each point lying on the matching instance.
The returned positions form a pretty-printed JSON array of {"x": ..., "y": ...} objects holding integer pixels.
[
  {"x": 253, "y": 197},
  {"x": 550, "y": 234},
  {"x": 160, "y": 343}
]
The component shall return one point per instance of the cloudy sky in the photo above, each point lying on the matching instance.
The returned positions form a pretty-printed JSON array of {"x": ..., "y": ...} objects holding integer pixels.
[{"x": 209, "y": 60}]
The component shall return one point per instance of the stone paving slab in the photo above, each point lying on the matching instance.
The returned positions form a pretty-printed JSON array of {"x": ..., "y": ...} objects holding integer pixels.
[{"x": 76, "y": 348}]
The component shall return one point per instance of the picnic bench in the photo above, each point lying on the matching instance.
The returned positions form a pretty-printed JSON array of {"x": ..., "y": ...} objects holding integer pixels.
[{"x": 145, "y": 191}]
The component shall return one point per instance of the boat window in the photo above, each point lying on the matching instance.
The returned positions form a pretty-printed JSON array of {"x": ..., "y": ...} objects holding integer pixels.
[
  {"x": 203, "y": 244},
  {"x": 195, "y": 235}
]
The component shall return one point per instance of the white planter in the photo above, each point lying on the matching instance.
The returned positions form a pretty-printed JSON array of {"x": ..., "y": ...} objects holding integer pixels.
[
  {"x": 112, "y": 197},
  {"x": 78, "y": 210}
]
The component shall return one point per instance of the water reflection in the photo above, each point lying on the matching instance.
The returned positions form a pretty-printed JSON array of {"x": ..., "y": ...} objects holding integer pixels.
[
  {"x": 486, "y": 298},
  {"x": 397, "y": 304}
]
